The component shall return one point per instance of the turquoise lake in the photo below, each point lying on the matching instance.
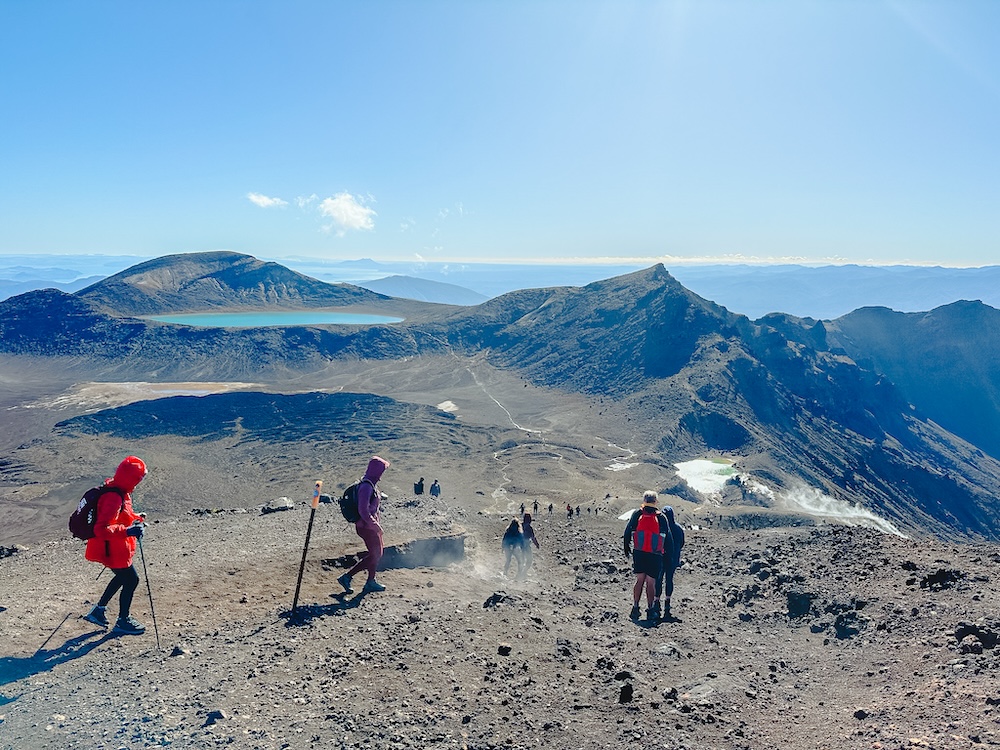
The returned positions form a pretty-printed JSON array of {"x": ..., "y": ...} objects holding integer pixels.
[{"x": 266, "y": 319}]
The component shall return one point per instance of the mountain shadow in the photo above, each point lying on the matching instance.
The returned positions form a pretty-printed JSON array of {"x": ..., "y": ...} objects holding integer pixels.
[{"x": 946, "y": 362}]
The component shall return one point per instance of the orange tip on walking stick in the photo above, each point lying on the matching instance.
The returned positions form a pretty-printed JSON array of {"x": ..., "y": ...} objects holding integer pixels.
[{"x": 319, "y": 486}]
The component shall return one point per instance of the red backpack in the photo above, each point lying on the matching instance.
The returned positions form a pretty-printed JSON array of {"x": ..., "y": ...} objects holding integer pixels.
[
  {"x": 82, "y": 520},
  {"x": 647, "y": 536}
]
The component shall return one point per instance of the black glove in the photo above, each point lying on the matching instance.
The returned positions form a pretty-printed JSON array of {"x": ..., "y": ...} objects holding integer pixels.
[
  {"x": 137, "y": 531},
  {"x": 628, "y": 552}
]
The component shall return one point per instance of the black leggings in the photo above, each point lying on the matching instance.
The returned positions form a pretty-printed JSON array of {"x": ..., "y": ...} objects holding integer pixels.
[
  {"x": 666, "y": 577},
  {"x": 125, "y": 579}
]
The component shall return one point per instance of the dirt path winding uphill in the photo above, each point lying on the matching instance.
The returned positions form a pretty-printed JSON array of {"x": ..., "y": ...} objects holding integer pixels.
[{"x": 786, "y": 638}]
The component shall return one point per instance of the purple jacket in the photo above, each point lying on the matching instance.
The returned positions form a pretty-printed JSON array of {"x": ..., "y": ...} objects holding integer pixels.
[{"x": 368, "y": 497}]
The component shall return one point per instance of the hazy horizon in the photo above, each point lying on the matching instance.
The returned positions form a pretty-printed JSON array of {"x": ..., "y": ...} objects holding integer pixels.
[{"x": 545, "y": 261}]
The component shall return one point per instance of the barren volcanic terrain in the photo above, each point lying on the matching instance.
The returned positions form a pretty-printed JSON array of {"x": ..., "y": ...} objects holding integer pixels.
[
  {"x": 793, "y": 626},
  {"x": 812, "y": 635}
]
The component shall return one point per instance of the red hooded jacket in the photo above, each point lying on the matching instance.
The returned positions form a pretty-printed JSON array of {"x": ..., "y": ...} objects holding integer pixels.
[{"x": 111, "y": 546}]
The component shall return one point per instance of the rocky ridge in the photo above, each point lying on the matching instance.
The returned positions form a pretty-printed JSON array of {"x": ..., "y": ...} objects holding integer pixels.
[{"x": 683, "y": 374}]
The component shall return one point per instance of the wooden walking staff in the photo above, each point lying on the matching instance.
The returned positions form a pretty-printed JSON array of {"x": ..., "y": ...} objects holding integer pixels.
[{"x": 302, "y": 565}]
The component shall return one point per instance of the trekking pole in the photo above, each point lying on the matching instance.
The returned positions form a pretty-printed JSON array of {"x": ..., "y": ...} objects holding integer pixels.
[
  {"x": 145, "y": 575},
  {"x": 302, "y": 565}
]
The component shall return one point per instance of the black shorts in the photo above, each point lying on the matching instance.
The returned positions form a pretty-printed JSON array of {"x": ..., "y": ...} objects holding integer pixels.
[{"x": 647, "y": 562}]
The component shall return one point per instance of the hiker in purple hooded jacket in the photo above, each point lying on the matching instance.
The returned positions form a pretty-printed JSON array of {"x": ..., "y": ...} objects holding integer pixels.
[{"x": 368, "y": 527}]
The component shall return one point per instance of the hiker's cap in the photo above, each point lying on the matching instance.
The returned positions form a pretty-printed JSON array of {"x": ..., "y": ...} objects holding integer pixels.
[{"x": 649, "y": 499}]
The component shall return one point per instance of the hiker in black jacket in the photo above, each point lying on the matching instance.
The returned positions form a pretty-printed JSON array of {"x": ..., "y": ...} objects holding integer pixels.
[{"x": 665, "y": 583}]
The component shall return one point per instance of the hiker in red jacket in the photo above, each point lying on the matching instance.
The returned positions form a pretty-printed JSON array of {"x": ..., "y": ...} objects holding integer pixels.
[
  {"x": 368, "y": 527},
  {"x": 116, "y": 530}
]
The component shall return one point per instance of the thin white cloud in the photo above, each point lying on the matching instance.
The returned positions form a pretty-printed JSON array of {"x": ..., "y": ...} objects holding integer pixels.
[
  {"x": 304, "y": 202},
  {"x": 458, "y": 210},
  {"x": 347, "y": 212},
  {"x": 264, "y": 201}
]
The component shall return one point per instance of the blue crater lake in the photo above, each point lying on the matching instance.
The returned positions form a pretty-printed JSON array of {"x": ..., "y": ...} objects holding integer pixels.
[{"x": 265, "y": 319}]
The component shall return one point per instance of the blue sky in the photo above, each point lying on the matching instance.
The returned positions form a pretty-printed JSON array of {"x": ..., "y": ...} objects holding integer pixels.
[{"x": 859, "y": 131}]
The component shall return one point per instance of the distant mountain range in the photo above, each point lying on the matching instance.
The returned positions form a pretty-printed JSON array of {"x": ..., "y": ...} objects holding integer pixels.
[
  {"x": 29, "y": 284},
  {"x": 409, "y": 287},
  {"x": 823, "y": 292},
  {"x": 827, "y": 292},
  {"x": 828, "y": 404}
]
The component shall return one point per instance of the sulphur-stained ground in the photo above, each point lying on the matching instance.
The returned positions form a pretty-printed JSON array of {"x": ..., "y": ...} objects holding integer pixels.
[{"x": 821, "y": 637}]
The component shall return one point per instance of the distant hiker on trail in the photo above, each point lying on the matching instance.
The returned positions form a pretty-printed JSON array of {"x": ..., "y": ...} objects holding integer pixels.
[
  {"x": 369, "y": 527},
  {"x": 550, "y": 509},
  {"x": 569, "y": 511},
  {"x": 418, "y": 487},
  {"x": 578, "y": 510},
  {"x": 513, "y": 546},
  {"x": 435, "y": 489},
  {"x": 534, "y": 507},
  {"x": 648, "y": 535},
  {"x": 665, "y": 583},
  {"x": 116, "y": 529},
  {"x": 522, "y": 509},
  {"x": 528, "y": 532}
]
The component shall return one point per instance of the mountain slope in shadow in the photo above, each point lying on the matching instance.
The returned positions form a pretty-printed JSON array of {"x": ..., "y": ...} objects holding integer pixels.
[
  {"x": 946, "y": 362},
  {"x": 682, "y": 375}
]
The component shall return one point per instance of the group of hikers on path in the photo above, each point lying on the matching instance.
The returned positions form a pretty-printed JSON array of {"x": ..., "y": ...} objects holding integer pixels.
[
  {"x": 418, "y": 488},
  {"x": 115, "y": 530},
  {"x": 652, "y": 539},
  {"x": 516, "y": 544}
]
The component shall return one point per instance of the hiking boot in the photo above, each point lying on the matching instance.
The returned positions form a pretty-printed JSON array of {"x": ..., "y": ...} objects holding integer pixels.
[
  {"x": 656, "y": 608},
  {"x": 345, "y": 581},
  {"x": 129, "y": 626},
  {"x": 97, "y": 616},
  {"x": 666, "y": 612},
  {"x": 635, "y": 612},
  {"x": 652, "y": 615},
  {"x": 372, "y": 585}
]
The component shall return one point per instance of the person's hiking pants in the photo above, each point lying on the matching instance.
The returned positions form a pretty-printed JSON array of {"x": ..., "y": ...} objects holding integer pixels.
[
  {"x": 372, "y": 538},
  {"x": 125, "y": 579}
]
